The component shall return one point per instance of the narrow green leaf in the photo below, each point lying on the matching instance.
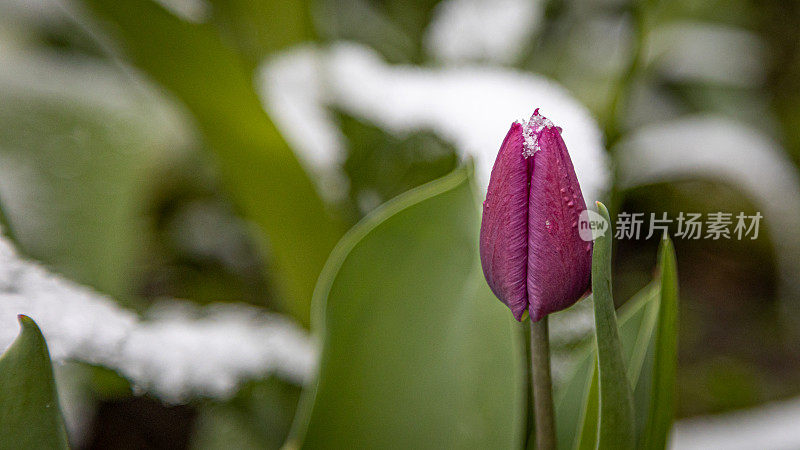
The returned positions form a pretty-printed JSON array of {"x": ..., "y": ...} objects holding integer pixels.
[
  {"x": 661, "y": 411},
  {"x": 416, "y": 351},
  {"x": 587, "y": 435},
  {"x": 575, "y": 396},
  {"x": 616, "y": 429},
  {"x": 214, "y": 79},
  {"x": 637, "y": 343},
  {"x": 30, "y": 417},
  {"x": 570, "y": 398}
]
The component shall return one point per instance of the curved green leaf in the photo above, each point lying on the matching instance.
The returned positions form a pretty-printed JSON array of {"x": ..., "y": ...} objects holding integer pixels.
[
  {"x": 661, "y": 410},
  {"x": 570, "y": 398},
  {"x": 587, "y": 435},
  {"x": 30, "y": 417},
  {"x": 416, "y": 350},
  {"x": 616, "y": 421},
  {"x": 576, "y": 408},
  {"x": 648, "y": 333}
]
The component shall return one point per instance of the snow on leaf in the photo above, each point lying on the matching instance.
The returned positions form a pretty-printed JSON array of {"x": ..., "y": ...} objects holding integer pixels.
[
  {"x": 178, "y": 351},
  {"x": 472, "y": 107}
]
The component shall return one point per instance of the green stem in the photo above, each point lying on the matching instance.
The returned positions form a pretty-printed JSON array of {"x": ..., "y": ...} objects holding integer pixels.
[
  {"x": 529, "y": 425},
  {"x": 543, "y": 412}
]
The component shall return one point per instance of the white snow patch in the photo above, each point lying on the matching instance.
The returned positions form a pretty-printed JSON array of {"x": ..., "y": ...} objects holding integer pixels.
[
  {"x": 178, "y": 352},
  {"x": 293, "y": 87},
  {"x": 531, "y": 131},
  {"x": 769, "y": 427},
  {"x": 472, "y": 107}
]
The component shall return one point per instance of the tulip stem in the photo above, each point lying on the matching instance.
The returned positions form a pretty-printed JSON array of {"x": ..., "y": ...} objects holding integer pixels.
[{"x": 544, "y": 417}]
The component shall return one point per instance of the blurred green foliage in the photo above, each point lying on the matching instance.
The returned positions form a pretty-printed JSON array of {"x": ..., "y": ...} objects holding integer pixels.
[
  {"x": 258, "y": 417},
  {"x": 259, "y": 28},
  {"x": 395, "y": 28},
  {"x": 381, "y": 166},
  {"x": 197, "y": 64},
  {"x": 78, "y": 184}
]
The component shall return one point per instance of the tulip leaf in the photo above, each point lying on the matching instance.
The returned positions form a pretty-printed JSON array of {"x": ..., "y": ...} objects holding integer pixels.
[
  {"x": 616, "y": 418},
  {"x": 577, "y": 403},
  {"x": 648, "y": 332},
  {"x": 570, "y": 398},
  {"x": 30, "y": 417},
  {"x": 416, "y": 350},
  {"x": 211, "y": 73},
  {"x": 587, "y": 436},
  {"x": 661, "y": 409}
]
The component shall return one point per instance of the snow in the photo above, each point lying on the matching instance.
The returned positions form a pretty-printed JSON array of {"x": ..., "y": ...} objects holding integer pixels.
[
  {"x": 178, "y": 351},
  {"x": 293, "y": 88},
  {"x": 768, "y": 427},
  {"x": 471, "y": 106}
]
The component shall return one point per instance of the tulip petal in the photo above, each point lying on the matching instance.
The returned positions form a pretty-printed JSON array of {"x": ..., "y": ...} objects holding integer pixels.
[
  {"x": 504, "y": 227},
  {"x": 558, "y": 260}
]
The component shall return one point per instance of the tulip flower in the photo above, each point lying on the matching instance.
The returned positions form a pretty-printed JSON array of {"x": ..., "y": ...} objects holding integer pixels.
[{"x": 532, "y": 254}]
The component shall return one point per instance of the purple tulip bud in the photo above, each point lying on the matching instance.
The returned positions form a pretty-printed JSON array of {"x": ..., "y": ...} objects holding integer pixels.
[{"x": 532, "y": 254}]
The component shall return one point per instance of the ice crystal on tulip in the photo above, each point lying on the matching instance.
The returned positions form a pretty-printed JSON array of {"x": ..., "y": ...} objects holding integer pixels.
[{"x": 532, "y": 254}]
